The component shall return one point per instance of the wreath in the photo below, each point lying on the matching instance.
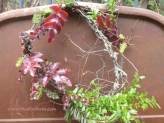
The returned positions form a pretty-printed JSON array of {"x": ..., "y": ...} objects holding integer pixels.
[{"x": 87, "y": 104}]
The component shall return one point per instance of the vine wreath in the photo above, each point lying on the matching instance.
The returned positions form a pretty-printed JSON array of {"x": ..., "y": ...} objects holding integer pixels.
[{"x": 85, "y": 104}]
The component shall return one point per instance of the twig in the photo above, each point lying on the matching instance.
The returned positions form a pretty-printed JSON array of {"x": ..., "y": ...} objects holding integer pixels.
[
  {"x": 69, "y": 38},
  {"x": 132, "y": 64}
]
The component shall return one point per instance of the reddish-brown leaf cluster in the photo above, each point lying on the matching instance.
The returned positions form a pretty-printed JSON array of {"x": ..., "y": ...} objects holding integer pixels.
[
  {"x": 109, "y": 29},
  {"x": 103, "y": 22},
  {"x": 54, "y": 22},
  {"x": 44, "y": 73}
]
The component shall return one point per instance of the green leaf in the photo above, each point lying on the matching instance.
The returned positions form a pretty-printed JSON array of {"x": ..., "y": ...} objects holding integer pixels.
[
  {"x": 83, "y": 108},
  {"x": 104, "y": 111},
  {"x": 92, "y": 121},
  {"x": 133, "y": 111},
  {"x": 52, "y": 94},
  {"x": 19, "y": 62},
  {"x": 46, "y": 12},
  {"x": 122, "y": 37},
  {"x": 88, "y": 113},
  {"x": 93, "y": 14},
  {"x": 142, "y": 77},
  {"x": 93, "y": 82},
  {"x": 68, "y": 3},
  {"x": 39, "y": 93},
  {"x": 37, "y": 18},
  {"x": 114, "y": 117},
  {"x": 75, "y": 90},
  {"x": 123, "y": 47}
]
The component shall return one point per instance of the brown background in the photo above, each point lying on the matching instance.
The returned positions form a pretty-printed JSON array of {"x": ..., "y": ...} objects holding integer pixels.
[{"x": 146, "y": 53}]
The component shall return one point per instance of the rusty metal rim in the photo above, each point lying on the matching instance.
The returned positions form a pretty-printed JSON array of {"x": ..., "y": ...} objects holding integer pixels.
[
  {"x": 62, "y": 119},
  {"x": 123, "y": 10}
]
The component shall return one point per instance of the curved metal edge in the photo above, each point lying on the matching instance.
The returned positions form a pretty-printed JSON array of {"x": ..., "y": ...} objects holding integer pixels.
[{"x": 123, "y": 10}]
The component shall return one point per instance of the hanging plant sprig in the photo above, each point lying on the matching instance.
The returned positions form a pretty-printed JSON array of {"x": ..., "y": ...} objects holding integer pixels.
[
  {"x": 90, "y": 106},
  {"x": 107, "y": 24},
  {"x": 43, "y": 72}
]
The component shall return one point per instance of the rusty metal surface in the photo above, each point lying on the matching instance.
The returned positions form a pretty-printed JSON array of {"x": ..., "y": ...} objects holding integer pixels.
[
  {"x": 14, "y": 95},
  {"x": 146, "y": 53}
]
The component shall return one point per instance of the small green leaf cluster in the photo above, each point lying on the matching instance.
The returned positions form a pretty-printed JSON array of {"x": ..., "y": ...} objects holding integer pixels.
[
  {"x": 51, "y": 94},
  {"x": 90, "y": 106},
  {"x": 112, "y": 4},
  {"x": 19, "y": 61},
  {"x": 92, "y": 15},
  {"x": 39, "y": 16},
  {"x": 153, "y": 5},
  {"x": 128, "y": 2}
]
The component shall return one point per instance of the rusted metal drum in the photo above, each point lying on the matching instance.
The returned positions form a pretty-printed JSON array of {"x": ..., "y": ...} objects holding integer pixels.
[{"x": 144, "y": 28}]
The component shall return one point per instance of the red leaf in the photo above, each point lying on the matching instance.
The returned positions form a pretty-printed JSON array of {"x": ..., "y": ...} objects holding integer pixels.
[
  {"x": 50, "y": 17},
  {"x": 109, "y": 35},
  {"x": 55, "y": 21},
  {"x": 56, "y": 24},
  {"x": 61, "y": 21},
  {"x": 32, "y": 33},
  {"x": 61, "y": 13},
  {"x": 57, "y": 27},
  {"x": 51, "y": 35},
  {"x": 116, "y": 43},
  {"x": 58, "y": 21},
  {"x": 100, "y": 21},
  {"x": 48, "y": 24},
  {"x": 108, "y": 21},
  {"x": 61, "y": 16},
  {"x": 64, "y": 13}
]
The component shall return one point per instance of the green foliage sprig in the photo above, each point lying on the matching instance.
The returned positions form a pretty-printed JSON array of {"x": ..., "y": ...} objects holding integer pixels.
[
  {"x": 90, "y": 106},
  {"x": 92, "y": 15},
  {"x": 112, "y": 4}
]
